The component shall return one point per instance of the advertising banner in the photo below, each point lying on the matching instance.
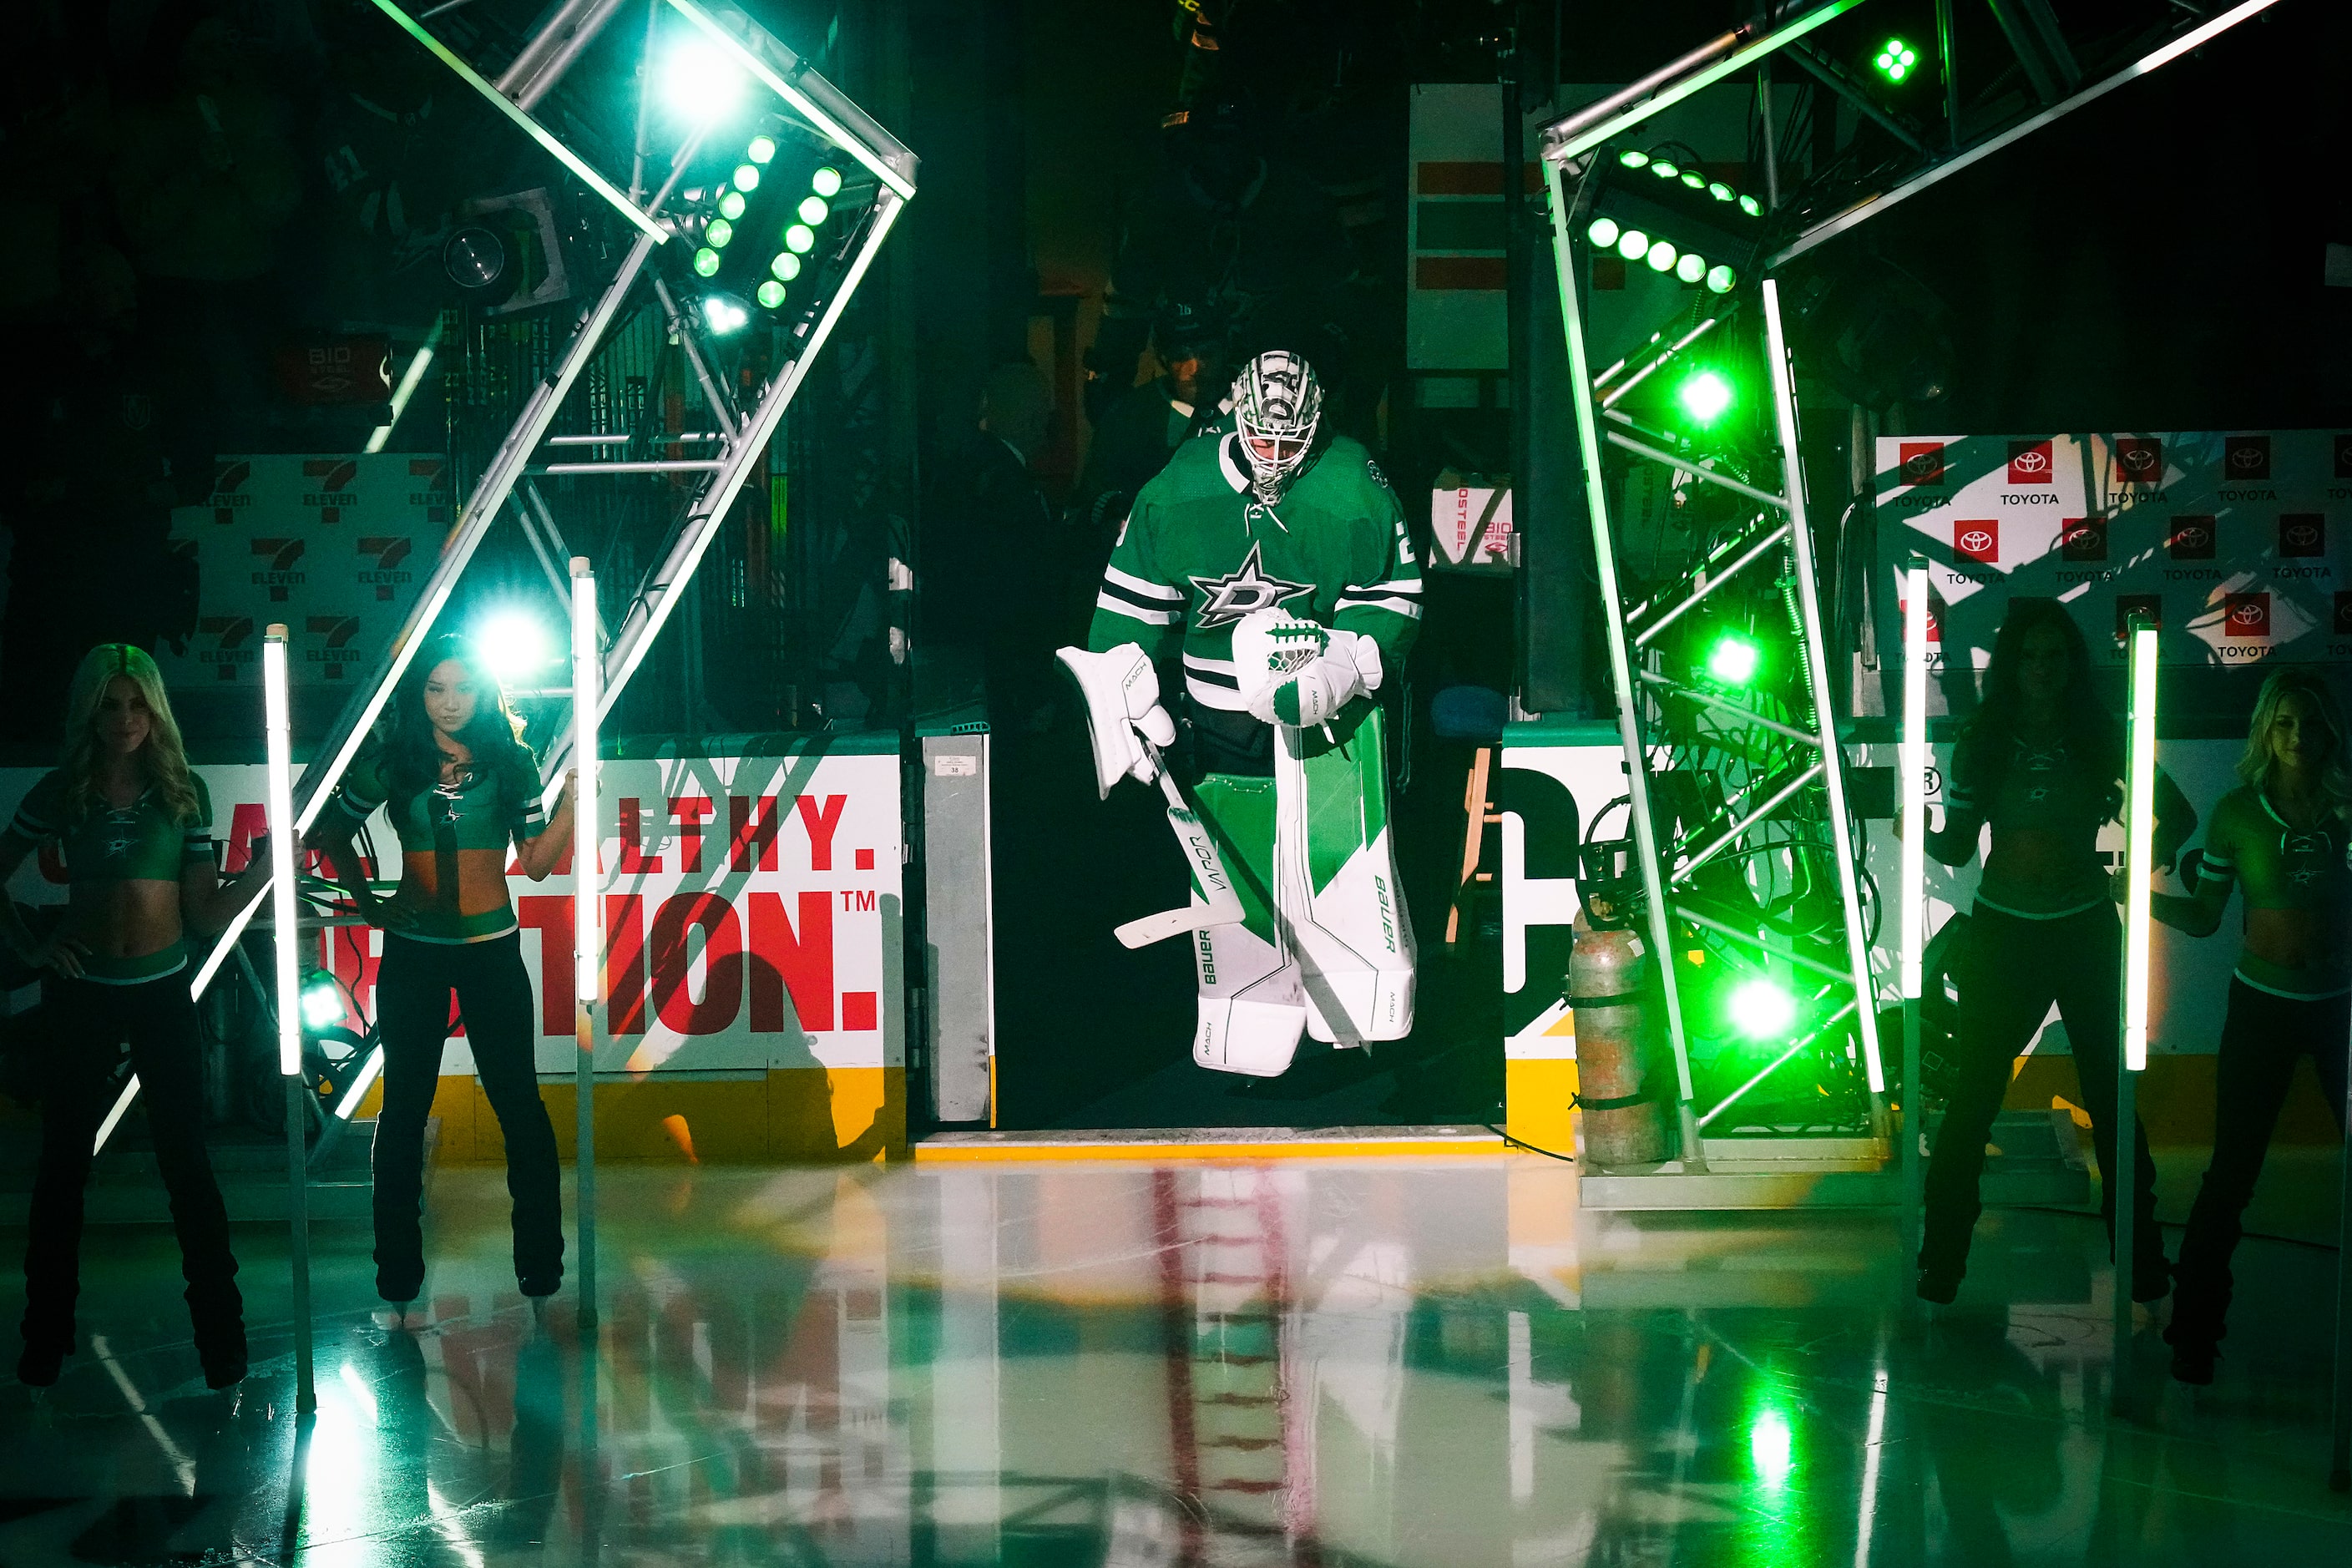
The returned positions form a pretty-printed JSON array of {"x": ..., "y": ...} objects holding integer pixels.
[
  {"x": 336, "y": 547},
  {"x": 2234, "y": 544},
  {"x": 753, "y": 907}
]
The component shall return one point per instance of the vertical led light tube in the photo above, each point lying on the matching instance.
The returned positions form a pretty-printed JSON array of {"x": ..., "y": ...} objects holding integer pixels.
[
  {"x": 2140, "y": 849},
  {"x": 277, "y": 720},
  {"x": 1914, "y": 760},
  {"x": 587, "y": 667},
  {"x": 278, "y": 723},
  {"x": 587, "y": 926}
]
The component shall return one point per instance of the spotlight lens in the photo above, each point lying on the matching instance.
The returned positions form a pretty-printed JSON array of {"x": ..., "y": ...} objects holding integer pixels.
[
  {"x": 1665, "y": 170},
  {"x": 826, "y": 183},
  {"x": 1694, "y": 179},
  {"x": 771, "y": 294},
  {"x": 1733, "y": 661},
  {"x": 813, "y": 211},
  {"x": 730, "y": 206},
  {"x": 800, "y": 240},
  {"x": 1691, "y": 268},
  {"x": 724, "y": 315},
  {"x": 747, "y": 176},
  {"x": 720, "y": 232},
  {"x": 706, "y": 261},
  {"x": 1703, "y": 396},
  {"x": 786, "y": 266},
  {"x": 1633, "y": 245},
  {"x": 698, "y": 82},
  {"x": 1721, "y": 279},
  {"x": 1662, "y": 256},
  {"x": 323, "y": 1007},
  {"x": 1751, "y": 207},
  {"x": 1603, "y": 232},
  {"x": 762, "y": 150},
  {"x": 1719, "y": 191},
  {"x": 513, "y": 644},
  {"x": 1632, "y": 158},
  {"x": 1761, "y": 1010}
]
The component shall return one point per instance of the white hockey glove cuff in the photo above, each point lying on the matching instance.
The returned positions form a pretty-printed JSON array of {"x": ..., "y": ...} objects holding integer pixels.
[
  {"x": 1121, "y": 693},
  {"x": 1298, "y": 673}
]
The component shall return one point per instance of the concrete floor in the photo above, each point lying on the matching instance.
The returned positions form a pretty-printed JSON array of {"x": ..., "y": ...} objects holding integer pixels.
[{"x": 1436, "y": 1363}]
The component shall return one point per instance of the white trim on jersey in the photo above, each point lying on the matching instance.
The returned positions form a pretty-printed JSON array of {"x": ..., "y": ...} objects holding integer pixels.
[
  {"x": 1224, "y": 699},
  {"x": 1219, "y": 672},
  {"x": 1140, "y": 599},
  {"x": 1398, "y": 595}
]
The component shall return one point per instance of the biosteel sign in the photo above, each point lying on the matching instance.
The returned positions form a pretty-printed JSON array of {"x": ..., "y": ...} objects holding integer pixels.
[{"x": 751, "y": 906}]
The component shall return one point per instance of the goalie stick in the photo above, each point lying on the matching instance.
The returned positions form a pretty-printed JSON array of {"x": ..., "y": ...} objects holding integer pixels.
[{"x": 1210, "y": 878}]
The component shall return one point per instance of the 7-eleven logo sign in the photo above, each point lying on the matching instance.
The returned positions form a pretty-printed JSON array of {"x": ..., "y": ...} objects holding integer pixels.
[
  {"x": 279, "y": 574},
  {"x": 226, "y": 635},
  {"x": 382, "y": 556},
  {"x": 334, "y": 651}
]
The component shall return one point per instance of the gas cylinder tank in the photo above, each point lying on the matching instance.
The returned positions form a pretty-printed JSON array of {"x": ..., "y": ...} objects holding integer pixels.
[{"x": 1615, "y": 998}]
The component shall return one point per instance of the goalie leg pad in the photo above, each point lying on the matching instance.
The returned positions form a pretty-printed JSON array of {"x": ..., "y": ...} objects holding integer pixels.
[
  {"x": 1251, "y": 1009},
  {"x": 1340, "y": 906}
]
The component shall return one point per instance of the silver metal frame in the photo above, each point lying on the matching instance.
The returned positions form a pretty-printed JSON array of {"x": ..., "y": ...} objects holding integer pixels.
[{"x": 827, "y": 110}]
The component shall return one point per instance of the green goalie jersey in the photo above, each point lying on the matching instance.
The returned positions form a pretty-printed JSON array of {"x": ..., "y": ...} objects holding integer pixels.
[{"x": 1199, "y": 552}]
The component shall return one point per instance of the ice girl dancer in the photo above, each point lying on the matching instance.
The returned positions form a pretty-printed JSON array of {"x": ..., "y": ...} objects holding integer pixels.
[
  {"x": 460, "y": 786},
  {"x": 134, "y": 829},
  {"x": 2042, "y": 763},
  {"x": 2281, "y": 836}
]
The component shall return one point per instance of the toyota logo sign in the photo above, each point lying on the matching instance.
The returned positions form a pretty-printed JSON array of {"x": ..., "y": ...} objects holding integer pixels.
[
  {"x": 2248, "y": 615},
  {"x": 2030, "y": 462}
]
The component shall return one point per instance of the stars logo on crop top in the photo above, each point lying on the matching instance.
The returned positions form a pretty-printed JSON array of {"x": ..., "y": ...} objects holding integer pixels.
[
  {"x": 1224, "y": 600},
  {"x": 122, "y": 820},
  {"x": 2307, "y": 850}
]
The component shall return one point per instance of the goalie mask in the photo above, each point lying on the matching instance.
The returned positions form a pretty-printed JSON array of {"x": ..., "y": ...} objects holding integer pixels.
[{"x": 1276, "y": 405}]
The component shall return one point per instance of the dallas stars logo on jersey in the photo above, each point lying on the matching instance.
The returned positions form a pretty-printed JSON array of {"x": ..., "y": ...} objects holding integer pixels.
[
  {"x": 1226, "y": 599},
  {"x": 1199, "y": 552}
]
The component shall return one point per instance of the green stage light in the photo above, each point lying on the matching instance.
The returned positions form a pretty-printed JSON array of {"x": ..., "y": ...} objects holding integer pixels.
[
  {"x": 1721, "y": 279},
  {"x": 1662, "y": 254},
  {"x": 1603, "y": 232},
  {"x": 1633, "y": 245},
  {"x": 730, "y": 206},
  {"x": 1694, "y": 179},
  {"x": 718, "y": 233},
  {"x": 1633, "y": 158},
  {"x": 786, "y": 266},
  {"x": 800, "y": 240},
  {"x": 706, "y": 261},
  {"x": 1733, "y": 660},
  {"x": 1691, "y": 268},
  {"x": 747, "y": 176},
  {"x": 725, "y": 314},
  {"x": 1761, "y": 1010},
  {"x": 1703, "y": 396},
  {"x": 699, "y": 83},
  {"x": 1751, "y": 207},
  {"x": 1720, "y": 191},
  {"x": 1895, "y": 61},
  {"x": 813, "y": 211},
  {"x": 322, "y": 1003},
  {"x": 1664, "y": 170},
  {"x": 826, "y": 183},
  {"x": 762, "y": 150},
  {"x": 771, "y": 294}
]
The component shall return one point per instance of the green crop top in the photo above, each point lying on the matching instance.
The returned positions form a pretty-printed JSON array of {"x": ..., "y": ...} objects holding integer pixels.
[
  {"x": 140, "y": 842},
  {"x": 2280, "y": 869},
  {"x": 2057, "y": 789},
  {"x": 474, "y": 814}
]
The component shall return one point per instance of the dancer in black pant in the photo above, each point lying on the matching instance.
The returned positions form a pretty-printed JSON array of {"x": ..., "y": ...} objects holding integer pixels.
[
  {"x": 2042, "y": 763},
  {"x": 134, "y": 829},
  {"x": 461, "y": 787},
  {"x": 2283, "y": 836}
]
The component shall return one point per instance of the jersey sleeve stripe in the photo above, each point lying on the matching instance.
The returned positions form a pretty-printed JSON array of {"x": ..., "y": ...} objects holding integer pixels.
[
  {"x": 26, "y": 826},
  {"x": 1170, "y": 603},
  {"x": 1393, "y": 585},
  {"x": 1140, "y": 588},
  {"x": 1394, "y": 605},
  {"x": 1103, "y": 601}
]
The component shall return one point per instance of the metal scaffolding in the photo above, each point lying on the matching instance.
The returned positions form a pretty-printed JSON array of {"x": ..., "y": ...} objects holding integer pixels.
[
  {"x": 1800, "y": 808},
  {"x": 812, "y": 109}
]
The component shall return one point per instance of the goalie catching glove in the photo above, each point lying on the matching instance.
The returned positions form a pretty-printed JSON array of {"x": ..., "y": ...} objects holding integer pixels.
[
  {"x": 1124, "y": 716},
  {"x": 1298, "y": 673}
]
